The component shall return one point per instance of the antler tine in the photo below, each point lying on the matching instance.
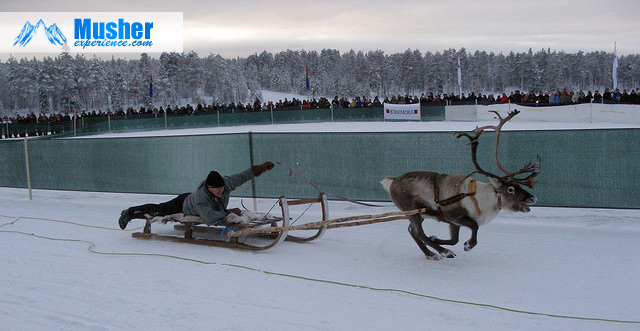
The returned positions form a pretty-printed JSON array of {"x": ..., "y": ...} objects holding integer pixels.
[
  {"x": 527, "y": 181},
  {"x": 528, "y": 168},
  {"x": 502, "y": 120},
  {"x": 498, "y": 130},
  {"x": 473, "y": 141},
  {"x": 471, "y": 138}
]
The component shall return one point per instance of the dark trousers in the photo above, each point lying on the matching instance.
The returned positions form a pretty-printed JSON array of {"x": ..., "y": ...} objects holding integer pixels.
[{"x": 172, "y": 206}]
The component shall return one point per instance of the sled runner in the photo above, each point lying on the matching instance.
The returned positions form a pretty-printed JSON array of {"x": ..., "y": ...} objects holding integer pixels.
[{"x": 192, "y": 230}]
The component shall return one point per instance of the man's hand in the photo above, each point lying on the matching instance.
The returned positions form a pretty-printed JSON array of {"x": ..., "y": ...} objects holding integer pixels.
[
  {"x": 236, "y": 211},
  {"x": 259, "y": 169}
]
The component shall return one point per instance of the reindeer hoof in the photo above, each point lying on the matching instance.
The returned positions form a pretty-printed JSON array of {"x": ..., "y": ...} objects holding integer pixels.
[
  {"x": 448, "y": 254},
  {"x": 469, "y": 245},
  {"x": 434, "y": 257}
]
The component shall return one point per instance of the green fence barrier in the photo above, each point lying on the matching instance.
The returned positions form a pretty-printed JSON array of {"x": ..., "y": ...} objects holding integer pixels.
[
  {"x": 580, "y": 168},
  {"x": 146, "y": 122},
  {"x": 12, "y": 165},
  {"x": 152, "y": 164}
]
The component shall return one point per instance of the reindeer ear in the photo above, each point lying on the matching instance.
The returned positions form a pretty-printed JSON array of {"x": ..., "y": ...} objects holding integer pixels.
[{"x": 495, "y": 182}]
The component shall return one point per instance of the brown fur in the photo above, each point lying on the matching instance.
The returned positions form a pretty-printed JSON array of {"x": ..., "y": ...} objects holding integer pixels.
[{"x": 416, "y": 189}]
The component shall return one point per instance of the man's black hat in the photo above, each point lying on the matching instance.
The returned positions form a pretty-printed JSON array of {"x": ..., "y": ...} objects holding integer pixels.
[{"x": 214, "y": 179}]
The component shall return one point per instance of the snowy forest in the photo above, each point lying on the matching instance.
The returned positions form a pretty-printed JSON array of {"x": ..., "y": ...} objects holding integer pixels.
[{"x": 67, "y": 83}]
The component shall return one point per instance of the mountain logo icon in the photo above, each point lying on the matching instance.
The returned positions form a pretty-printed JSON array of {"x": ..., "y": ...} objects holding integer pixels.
[{"x": 53, "y": 33}]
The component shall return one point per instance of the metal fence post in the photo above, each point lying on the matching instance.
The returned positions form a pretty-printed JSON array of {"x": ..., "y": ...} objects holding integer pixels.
[
  {"x": 253, "y": 180},
  {"x": 26, "y": 163},
  {"x": 271, "y": 110}
]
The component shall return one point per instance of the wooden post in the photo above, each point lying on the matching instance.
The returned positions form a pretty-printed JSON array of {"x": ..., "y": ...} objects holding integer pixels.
[
  {"x": 165, "y": 120},
  {"x": 271, "y": 110},
  {"x": 188, "y": 230},
  {"x": 253, "y": 180},
  {"x": 332, "y": 112},
  {"x": 26, "y": 160}
]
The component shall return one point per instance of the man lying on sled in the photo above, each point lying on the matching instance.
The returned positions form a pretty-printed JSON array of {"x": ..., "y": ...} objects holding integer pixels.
[{"x": 209, "y": 201}]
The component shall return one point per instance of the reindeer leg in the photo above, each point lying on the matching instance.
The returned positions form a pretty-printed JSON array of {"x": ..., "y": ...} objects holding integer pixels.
[
  {"x": 417, "y": 233},
  {"x": 429, "y": 254},
  {"x": 471, "y": 224},
  {"x": 454, "y": 230}
]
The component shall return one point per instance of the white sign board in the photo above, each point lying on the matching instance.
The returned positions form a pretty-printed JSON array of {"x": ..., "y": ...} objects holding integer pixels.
[{"x": 410, "y": 112}]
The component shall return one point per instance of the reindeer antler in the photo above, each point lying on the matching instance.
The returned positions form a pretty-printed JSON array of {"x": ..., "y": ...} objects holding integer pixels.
[
  {"x": 509, "y": 176},
  {"x": 528, "y": 168}
]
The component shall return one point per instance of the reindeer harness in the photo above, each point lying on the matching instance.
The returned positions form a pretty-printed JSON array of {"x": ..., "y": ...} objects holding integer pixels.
[{"x": 441, "y": 203}]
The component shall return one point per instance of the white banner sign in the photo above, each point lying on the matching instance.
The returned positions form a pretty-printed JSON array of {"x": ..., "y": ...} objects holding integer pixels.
[
  {"x": 90, "y": 32},
  {"x": 410, "y": 112}
]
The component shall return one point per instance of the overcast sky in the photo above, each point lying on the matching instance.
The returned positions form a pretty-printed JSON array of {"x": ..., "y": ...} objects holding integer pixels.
[{"x": 243, "y": 27}]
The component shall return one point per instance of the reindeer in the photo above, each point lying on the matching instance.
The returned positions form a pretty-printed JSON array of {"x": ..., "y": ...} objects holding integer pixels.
[{"x": 460, "y": 200}]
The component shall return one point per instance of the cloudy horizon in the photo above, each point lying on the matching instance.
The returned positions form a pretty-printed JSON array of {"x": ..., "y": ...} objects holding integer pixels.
[{"x": 243, "y": 27}]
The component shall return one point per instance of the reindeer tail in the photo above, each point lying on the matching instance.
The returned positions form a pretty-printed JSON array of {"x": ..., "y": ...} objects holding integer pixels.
[{"x": 386, "y": 182}]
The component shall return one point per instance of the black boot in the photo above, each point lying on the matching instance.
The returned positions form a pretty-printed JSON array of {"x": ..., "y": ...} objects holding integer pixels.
[
  {"x": 142, "y": 212},
  {"x": 125, "y": 218}
]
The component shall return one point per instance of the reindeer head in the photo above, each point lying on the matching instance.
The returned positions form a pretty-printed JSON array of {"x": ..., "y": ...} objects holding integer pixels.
[
  {"x": 512, "y": 196},
  {"x": 508, "y": 187}
]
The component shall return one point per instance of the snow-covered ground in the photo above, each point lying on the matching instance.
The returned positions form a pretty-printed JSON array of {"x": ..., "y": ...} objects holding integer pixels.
[{"x": 67, "y": 266}]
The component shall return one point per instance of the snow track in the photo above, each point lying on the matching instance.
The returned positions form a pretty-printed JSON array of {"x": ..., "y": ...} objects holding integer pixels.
[{"x": 569, "y": 263}]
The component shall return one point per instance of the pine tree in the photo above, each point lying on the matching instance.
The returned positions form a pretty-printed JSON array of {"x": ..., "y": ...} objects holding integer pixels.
[{"x": 71, "y": 84}]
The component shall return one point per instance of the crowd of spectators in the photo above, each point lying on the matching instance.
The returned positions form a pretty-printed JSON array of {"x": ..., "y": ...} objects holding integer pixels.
[
  {"x": 562, "y": 97},
  {"x": 558, "y": 97}
]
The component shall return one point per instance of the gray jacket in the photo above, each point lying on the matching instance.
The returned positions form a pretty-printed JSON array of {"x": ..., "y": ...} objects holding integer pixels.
[{"x": 210, "y": 208}]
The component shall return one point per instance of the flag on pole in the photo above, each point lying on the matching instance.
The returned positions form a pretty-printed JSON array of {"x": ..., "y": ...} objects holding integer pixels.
[
  {"x": 459, "y": 79},
  {"x": 150, "y": 86},
  {"x": 615, "y": 68},
  {"x": 307, "y": 77}
]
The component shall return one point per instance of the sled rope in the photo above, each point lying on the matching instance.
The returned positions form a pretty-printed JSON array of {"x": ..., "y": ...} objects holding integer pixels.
[
  {"x": 302, "y": 214},
  {"x": 269, "y": 211},
  {"x": 92, "y": 249},
  {"x": 299, "y": 174},
  {"x": 64, "y": 222}
]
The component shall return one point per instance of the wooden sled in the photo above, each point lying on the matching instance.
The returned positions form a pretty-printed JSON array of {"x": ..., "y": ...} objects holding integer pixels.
[
  {"x": 284, "y": 205},
  {"x": 196, "y": 232}
]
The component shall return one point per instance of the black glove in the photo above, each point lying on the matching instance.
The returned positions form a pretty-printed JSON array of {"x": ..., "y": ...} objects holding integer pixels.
[{"x": 259, "y": 169}]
